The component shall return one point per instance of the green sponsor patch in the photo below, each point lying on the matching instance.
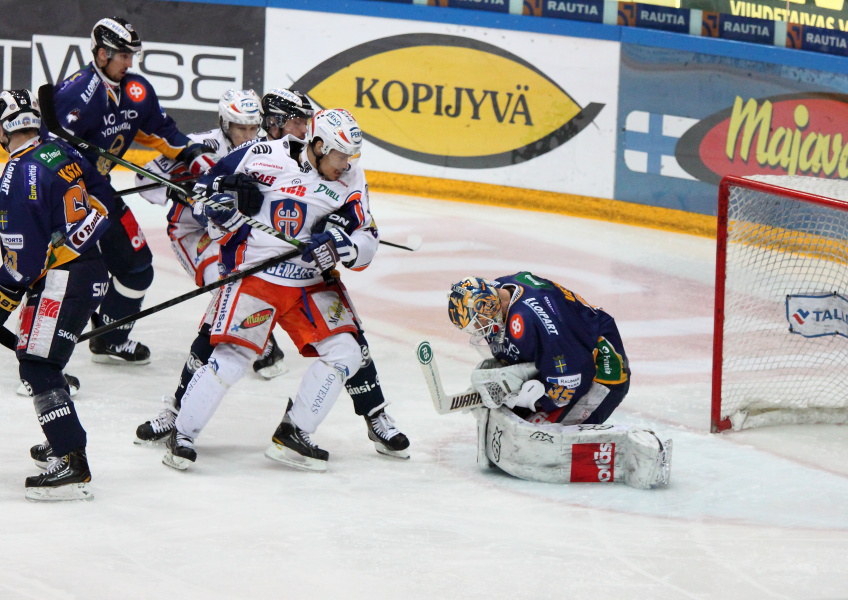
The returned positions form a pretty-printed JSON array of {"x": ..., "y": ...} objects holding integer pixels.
[
  {"x": 529, "y": 280},
  {"x": 50, "y": 155}
]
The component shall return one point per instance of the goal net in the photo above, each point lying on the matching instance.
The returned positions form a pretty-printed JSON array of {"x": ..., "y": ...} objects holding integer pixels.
[{"x": 780, "y": 351}]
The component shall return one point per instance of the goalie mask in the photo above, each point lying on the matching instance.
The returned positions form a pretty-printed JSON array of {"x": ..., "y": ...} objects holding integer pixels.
[{"x": 475, "y": 307}]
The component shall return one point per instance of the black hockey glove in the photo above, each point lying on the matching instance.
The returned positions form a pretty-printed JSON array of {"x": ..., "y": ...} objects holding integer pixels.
[
  {"x": 179, "y": 197},
  {"x": 9, "y": 300},
  {"x": 243, "y": 187},
  {"x": 348, "y": 218}
]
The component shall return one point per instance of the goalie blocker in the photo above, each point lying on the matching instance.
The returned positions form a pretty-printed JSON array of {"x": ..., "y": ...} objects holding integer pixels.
[{"x": 555, "y": 453}]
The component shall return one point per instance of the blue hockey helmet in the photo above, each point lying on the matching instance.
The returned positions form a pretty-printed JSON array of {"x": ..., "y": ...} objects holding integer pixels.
[{"x": 475, "y": 307}]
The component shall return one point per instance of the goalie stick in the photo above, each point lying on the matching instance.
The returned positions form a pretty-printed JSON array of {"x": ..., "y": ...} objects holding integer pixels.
[
  {"x": 51, "y": 121},
  {"x": 443, "y": 403}
]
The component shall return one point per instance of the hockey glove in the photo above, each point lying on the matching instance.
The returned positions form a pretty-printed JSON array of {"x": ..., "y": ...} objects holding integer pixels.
[
  {"x": 349, "y": 217},
  {"x": 179, "y": 197},
  {"x": 526, "y": 397},
  {"x": 495, "y": 384},
  {"x": 199, "y": 158},
  {"x": 9, "y": 300},
  {"x": 225, "y": 215},
  {"x": 327, "y": 248},
  {"x": 243, "y": 187}
]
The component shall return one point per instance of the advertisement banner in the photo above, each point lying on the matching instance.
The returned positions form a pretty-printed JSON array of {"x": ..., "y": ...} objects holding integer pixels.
[
  {"x": 649, "y": 16},
  {"x": 501, "y": 6},
  {"x": 827, "y": 14},
  {"x": 688, "y": 119},
  {"x": 591, "y": 11},
  {"x": 532, "y": 111},
  {"x": 189, "y": 58},
  {"x": 739, "y": 29}
]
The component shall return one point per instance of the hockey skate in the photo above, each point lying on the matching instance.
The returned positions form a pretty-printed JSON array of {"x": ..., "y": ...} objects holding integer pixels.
[
  {"x": 160, "y": 427},
  {"x": 270, "y": 364},
  {"x": 180, "y": 451},
  {"x": 73, "y": 386},
  {"x": 41, "y": 454},
  {"x": 128, "y": 353},
  {"x": 66, "y": 478},
  {"x": 292, "y": 446},
  {"x": 387, "y": 438}
]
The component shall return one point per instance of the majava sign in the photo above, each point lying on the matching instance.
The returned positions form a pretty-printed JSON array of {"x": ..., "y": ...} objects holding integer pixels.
[{"x": 449, "y": 101}]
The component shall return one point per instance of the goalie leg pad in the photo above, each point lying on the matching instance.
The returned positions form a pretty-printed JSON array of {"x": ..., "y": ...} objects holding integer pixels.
[
  {"x": 555, "y": 453},
  {"x": 647, "y": 461}
]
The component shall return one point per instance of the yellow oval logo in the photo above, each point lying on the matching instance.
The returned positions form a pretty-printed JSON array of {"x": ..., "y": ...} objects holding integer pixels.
[{"x": 448, "y": 101}]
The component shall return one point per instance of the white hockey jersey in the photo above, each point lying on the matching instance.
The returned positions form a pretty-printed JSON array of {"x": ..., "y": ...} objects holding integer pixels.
[
  {"x": 180, "y": 221},
  {"x": 296, "y": 198}
]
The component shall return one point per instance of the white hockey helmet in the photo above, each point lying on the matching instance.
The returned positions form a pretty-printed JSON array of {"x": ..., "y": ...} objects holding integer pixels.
[
  {"x": 338, "y": 130},
  {"x": 240, "y": 107},
  {"x": 19, "y": 110},
  {"x": 115, "y": 35}
]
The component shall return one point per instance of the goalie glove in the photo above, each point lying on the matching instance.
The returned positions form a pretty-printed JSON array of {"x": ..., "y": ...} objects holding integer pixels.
[
  {"x": 495, "y": 384},
  {"x": 526, "y": 397}
]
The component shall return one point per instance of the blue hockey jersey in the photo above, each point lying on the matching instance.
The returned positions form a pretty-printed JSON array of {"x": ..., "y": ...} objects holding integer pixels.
[
  {"x": 113, "y": 117},
  {"x": 571, "y": 342},
  {"x": 50, "y": 211}
]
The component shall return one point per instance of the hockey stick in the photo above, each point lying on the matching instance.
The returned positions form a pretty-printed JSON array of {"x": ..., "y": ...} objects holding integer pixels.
[
  {"x": 150, "y": 186},
  {"x": 443, "y": 403},
  {"x": 413, "y": 243},
  {"x": 51, "y": 121},
  {"x": 7, "y": 338},
  {"x": 187, "y": 296}
]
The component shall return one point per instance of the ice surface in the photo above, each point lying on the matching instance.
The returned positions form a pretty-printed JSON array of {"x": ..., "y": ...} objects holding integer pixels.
[{"x": 754, "y": 514}]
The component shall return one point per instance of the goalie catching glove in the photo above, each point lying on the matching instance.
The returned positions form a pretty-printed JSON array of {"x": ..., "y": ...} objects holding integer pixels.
[
  {"x": 511, "y": 386},
  {"x": 327, "y": 248}
]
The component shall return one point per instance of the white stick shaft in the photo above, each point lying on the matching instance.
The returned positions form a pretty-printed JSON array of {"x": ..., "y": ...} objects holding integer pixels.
[{"x": 443, "y": 403}]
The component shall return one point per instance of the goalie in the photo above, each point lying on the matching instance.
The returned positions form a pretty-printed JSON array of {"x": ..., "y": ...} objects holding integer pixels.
[{"x": 559, "y": 371}]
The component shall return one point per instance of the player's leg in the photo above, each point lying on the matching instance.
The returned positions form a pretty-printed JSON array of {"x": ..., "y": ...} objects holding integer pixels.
[
  {"x": 320, "y": 323},
  {"x": 338, "y": 356},
  {"x": 60, "y": 304},
  {"x": 159, "y": 427},
  {"x": 240, "y": 329},
  {"x": 368, "y": 402},
  {"x": 129, "y": 262}
]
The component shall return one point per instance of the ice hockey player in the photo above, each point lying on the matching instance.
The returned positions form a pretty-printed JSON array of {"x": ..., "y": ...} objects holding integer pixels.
[
  {"x": 558, "y": 372},
  {"x": 51, "y": 218},
  {"x": 107, "y": 106},
  {"x": 280, "y": 112},
  {"x": 283, "y": 112},
  {"x": 315, "y": 311}
]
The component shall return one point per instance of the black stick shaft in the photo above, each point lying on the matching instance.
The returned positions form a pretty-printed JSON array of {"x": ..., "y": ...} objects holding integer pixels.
[{"x": 187, "y": 296}]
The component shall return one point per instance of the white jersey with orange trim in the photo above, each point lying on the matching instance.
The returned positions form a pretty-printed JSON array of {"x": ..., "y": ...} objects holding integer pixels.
[{"x": 296, "y": 198}]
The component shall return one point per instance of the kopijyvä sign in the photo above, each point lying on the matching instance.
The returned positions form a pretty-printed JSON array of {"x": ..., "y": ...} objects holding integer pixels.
[{"x": 448, "y": 100}]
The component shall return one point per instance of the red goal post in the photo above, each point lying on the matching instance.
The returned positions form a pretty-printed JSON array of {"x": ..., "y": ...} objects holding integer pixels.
[{"x": 780, "y": 346}]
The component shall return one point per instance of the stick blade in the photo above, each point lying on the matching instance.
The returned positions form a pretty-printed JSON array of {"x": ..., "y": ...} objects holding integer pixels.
[{"x": 414, "y": 242}]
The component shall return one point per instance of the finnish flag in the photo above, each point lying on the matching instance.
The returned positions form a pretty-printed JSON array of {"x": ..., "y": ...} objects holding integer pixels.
[{"x": 649, "y": 142}]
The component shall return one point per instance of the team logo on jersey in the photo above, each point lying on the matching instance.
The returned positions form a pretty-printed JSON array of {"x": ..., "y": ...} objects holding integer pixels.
[
  {"x": 288, "y": 215},
  {"x": 136, "y": 91},
  {"x": 516, "y": 326},
  {"x": 72, "y": 116},
  {"x": 256, "y": 319}
]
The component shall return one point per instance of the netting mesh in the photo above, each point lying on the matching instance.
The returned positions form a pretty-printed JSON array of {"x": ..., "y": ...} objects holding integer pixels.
[{"x": 779, "y": 245}]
